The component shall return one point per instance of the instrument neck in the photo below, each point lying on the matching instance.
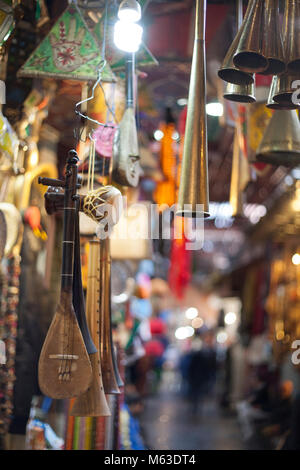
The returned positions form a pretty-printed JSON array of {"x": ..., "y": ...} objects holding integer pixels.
[
  {"x": 70, "y": 208},
  {"x": 130, "y": 70}
]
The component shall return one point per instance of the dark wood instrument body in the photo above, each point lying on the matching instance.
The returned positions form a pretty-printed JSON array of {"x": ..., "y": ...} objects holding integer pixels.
[{"x": 64, "y": 366}]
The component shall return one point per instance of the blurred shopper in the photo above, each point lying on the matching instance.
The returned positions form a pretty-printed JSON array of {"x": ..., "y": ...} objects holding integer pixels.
[
  {"x": 255, "y": 408},
  {"x": 201, "y": 372}
]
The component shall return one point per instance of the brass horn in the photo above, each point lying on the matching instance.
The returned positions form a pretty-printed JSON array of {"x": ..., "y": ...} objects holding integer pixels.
[
  {"x": 229, "y": 72},
  {"x": 284, "y": 90},
  {"x": 110, "y": 380},
  {"x": 240, "y": 93},
  {"x": 291, "y": 35},
  {"x": 272, "y": 46},
  {"x": 280, "y": 144},
  {"x": 93, "y": 402},
  {"x": 249, "y": 55},
  {"x": 236, "y": 195},
  {"x": 274, "y": 89},
  {"x": 193, "y": 199}
]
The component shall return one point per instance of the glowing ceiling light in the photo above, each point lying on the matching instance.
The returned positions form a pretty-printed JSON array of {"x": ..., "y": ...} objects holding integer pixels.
[
  {"x": 128, "y": 37},
  {"x": 191, "y": 313},
  {"x": 214, "y": 109},
  {"x": 129, "y": 11},
  {"x": 296, "y": 259},
  {"x": 230, "y": 318}
]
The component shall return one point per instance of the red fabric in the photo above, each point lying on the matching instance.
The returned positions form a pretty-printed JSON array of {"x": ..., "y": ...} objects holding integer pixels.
[
  {"x": 154, "y": 348},
  {"x": 157, "y": 326},
  {"x": 180, "y": 265}
]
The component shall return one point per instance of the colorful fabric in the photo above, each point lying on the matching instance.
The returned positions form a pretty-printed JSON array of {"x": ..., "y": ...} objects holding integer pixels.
[{"x": 69, "y": 51}]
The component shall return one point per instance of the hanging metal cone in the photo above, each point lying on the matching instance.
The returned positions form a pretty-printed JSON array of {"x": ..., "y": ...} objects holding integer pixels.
[
  {"x": 281, "y": 104},
  {"x": 291, "y": 35},
  {"x": 280, "y": 144},
  {"x": 236, "y": 195},
  {"x": 240, "y": 93},
  {"x": 284, "y": 91},
  {"x": 249, "y": 55},
  {"x": 229, "y": 72},
  {"x": 193, "y": 198},
  {"x": 272, "y": 46}
]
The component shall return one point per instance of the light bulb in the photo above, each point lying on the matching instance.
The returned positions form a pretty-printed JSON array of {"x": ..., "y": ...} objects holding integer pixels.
[
  {"x": 127, "y": 37},
  {"x": 129, "y": 11}
]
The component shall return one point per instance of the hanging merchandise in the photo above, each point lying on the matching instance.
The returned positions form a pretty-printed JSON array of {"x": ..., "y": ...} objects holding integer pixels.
[
  {"x": 291, "y": 31},
  {"x": 8, "y": 328},
  {"x": 193, "y": 189},
  {"x": 240, "y": 87},
  {"x": 240, "y": 173},
  {"x": 180, "y": 261},
  {"x": 6, "y": 21},
  {"x": 280, "y": 144},
  {"x": 115, "y": 57},
  {"x": 258, "y": 117},
  {"x": 70, "y": 50},
  {"x": 126, "y": 159},
  {"x": 9, "y": 145},
  {"x": 93, "y": 401},
  {"x": 58, "y": 376},
  {"x": 111, "y": 377},
  {"x": 165, "y": 192}
]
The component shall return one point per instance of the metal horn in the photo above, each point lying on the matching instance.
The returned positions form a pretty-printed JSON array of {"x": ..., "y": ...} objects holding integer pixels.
[
  {"x": 280, "y": 144},
  {"x": 236, "y": 195},
  {"x": 240, "y": 93},
  {"x": 93, "y": 402},
  {"x": 229, "y": 72},
  {"x": 291, "y": 35},
  {"x": 193, "y": 199},
  {"x": 274, "y": 89},
  {"x": 249, "y": 55},
  {"x": 284, "y": 90},
  {"x": 272, "y": 45}
]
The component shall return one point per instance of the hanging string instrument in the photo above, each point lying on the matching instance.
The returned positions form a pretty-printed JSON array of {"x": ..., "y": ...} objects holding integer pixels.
[
  {"x": 93, "y": 401},
  {"x": 64, "y": 366},
  {"x": 126, "y": 158}
]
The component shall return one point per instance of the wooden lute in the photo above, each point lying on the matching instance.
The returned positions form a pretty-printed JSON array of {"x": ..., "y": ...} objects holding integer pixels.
[
  {"x": 64, "y": 366},
  {"x": 126, "y": 158}
]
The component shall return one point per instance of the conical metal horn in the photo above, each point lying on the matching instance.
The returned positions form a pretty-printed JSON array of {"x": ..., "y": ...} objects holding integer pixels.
[
  {"x": 280, "y": 144},
  {"x": 249, "y": 55},
  {"x": 291, "y": 35},
  {"x": 229, "y": 72},
  {"x": 193, "y": 190},
  {"x": 272, "y": 46},
  {"x": 236, "y": 195},
  {"x": 240, "y": 93},
  {"x": 274, "y": 90},
  {"x": 285, "y": 89}
]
